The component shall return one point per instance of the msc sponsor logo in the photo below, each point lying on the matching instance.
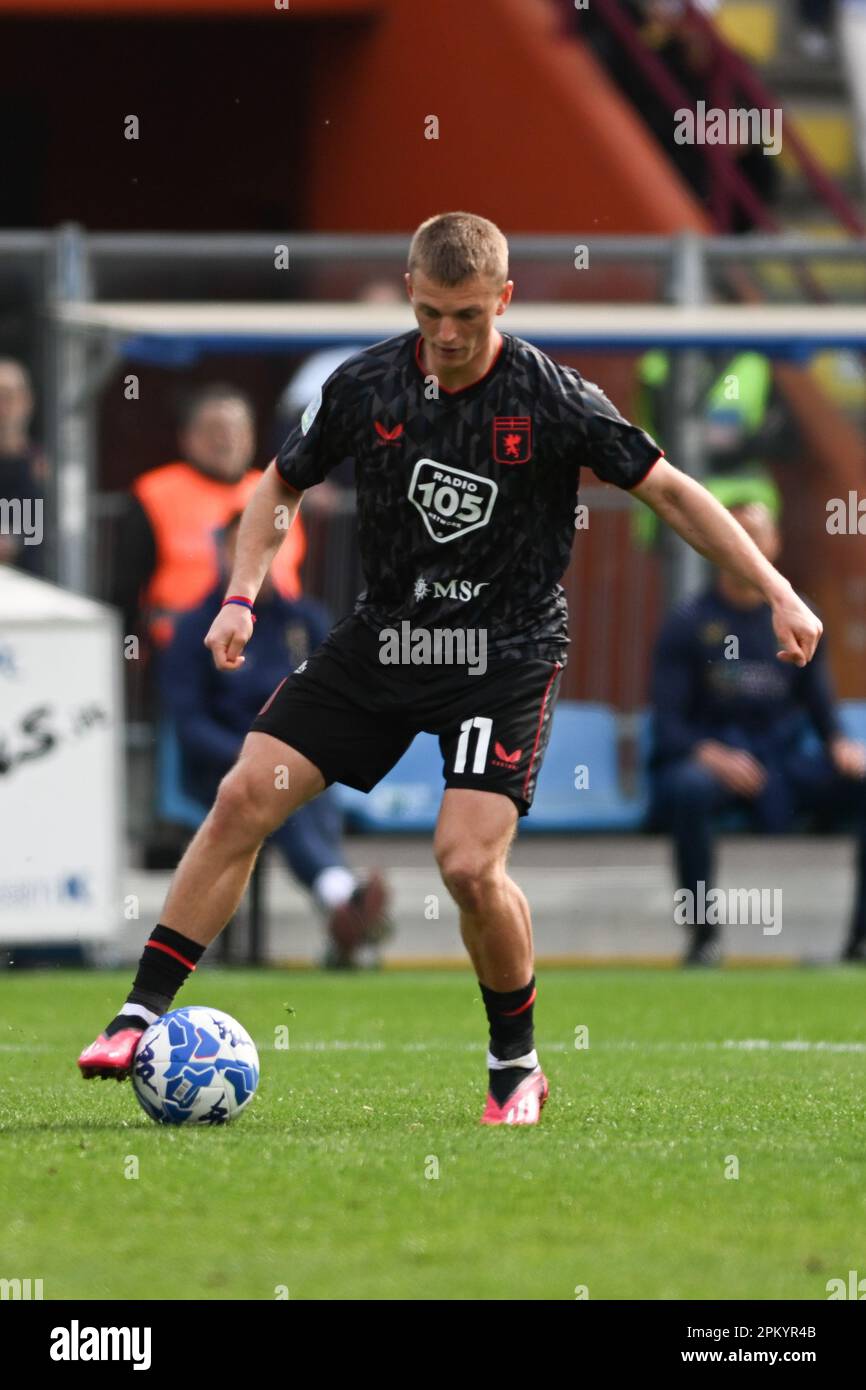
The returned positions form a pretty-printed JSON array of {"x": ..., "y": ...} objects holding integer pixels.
[{"x": 460, "y": 590}]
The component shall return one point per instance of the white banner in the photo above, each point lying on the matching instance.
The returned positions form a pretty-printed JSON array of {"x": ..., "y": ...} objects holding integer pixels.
[{"x": 60, "y": 812}]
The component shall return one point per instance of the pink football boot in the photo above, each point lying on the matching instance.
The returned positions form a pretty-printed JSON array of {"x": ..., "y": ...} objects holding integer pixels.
[
  {"x": 523, "y": 1106},
  {"x": 109, "y": 1057}
]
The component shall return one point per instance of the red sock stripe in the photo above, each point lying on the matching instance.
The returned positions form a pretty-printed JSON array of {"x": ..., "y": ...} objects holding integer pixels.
[
  {"x": 170, "y": 951},
  {"x": 512, "y": 1013}
]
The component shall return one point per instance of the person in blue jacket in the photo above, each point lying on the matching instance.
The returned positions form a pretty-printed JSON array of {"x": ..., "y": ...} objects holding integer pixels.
[
  {"x": 212, "y": 711},
  {"x": 731, "y": 728}
]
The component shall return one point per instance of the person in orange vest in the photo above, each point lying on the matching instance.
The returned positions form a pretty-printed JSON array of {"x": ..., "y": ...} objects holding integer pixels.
[{"x": 167, "y": 560}]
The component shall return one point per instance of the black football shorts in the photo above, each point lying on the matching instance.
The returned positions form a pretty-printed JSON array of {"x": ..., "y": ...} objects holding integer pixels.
[{"x": 354, "y": 717}]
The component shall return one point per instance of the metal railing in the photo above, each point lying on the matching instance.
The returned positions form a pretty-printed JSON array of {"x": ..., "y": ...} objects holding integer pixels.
[
  {"x": 70, "y": 264},
  {"x": 729, "y": 78}
]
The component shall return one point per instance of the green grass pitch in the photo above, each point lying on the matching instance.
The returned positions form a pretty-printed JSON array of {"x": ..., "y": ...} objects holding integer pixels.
[{"x": 326, "y": 1187}]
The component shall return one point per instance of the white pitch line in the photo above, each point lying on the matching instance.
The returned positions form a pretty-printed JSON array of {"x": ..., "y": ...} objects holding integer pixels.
[
  {"x": 602, "y": 1045},
  {"x": 607, "y": 1045},
  {"x": 793, "y": 1045}
]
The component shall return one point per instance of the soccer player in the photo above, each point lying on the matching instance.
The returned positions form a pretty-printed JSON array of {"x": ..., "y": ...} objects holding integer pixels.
[
  {"x": 211, "y": 711},
  {"x": 468, "y": 445}
]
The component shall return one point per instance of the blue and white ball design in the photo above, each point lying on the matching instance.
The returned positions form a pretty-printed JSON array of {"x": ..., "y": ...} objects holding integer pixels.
[{"x": 195, "y": 1066}]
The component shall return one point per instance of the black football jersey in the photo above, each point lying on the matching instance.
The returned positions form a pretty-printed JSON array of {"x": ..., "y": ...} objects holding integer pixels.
[{"x": 466, "y": 499}]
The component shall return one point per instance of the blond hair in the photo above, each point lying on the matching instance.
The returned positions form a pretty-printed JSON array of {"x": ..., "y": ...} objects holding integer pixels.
[{"x": 457, "y": 246}]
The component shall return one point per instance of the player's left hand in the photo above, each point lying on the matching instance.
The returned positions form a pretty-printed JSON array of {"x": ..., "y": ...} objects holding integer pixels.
[{"x": 797, "y": 628}]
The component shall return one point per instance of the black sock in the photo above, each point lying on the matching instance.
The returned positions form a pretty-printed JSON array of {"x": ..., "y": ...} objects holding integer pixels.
[
  {"x": 166, "y": 961},
  {"x": 511, "y": 1034}
]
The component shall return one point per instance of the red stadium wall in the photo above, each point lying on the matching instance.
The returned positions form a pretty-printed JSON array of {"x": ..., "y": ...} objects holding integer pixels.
[
  {"x": 531, "y": 132},
  {"x": 524, "y": 113},
  {"x": 238, "y": 9}
]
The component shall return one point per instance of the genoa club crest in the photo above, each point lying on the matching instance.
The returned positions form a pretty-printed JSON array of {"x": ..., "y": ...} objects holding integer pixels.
[{"x": 512, "y": 438}]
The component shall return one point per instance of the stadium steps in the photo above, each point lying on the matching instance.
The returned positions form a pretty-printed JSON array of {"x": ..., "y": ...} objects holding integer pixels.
[
  {"x": 814, "y": 96},
  {"x": 812, "y": 92},
  {"x": 594, "y": 899},
  {"x": 752, "y": 27}
]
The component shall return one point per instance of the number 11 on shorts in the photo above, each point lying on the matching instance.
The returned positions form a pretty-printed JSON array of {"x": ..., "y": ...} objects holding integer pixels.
[{"x": 484, "y": 727}]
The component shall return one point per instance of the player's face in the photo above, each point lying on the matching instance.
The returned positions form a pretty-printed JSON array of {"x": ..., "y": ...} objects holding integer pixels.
[
  {"x": 220, "y": 438},
  {"x": 457, "y": 323}
]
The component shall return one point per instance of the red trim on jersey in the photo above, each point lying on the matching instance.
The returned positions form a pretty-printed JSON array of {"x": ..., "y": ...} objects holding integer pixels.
[
  {"x": 557, "y": 666},
  {"x": 457, "y": 389},
  {"x": 170, "y": 951},
  {"x": 647, "y": 473},
  {"x": 512, "y": 1013},
  {"x": 291, "y": 487}
]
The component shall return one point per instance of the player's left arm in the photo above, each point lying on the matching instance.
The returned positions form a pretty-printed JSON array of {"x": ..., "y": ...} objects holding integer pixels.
[{"x": 705, "y": 524}]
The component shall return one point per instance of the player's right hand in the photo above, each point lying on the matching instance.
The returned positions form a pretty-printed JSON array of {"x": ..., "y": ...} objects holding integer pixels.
[
  {"x": 229, "y": 633},
  {"x": 733, "y": 767}
]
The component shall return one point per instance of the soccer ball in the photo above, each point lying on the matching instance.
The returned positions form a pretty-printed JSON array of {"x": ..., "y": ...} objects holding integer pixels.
[{"x": 195, "y": 1066}]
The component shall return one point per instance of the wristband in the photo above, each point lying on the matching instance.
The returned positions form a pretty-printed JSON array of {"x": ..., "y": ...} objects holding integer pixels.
[{"x": 244, "y": 603}]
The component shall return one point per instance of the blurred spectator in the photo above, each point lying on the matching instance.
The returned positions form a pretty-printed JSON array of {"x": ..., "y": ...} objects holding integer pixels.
[
  {"x": 166, "y": 559},
  {"x": 212, "y": 711},
  {"x": 22, "y": 472},
  {"x": 673, "y": 32},
  {"x": 308, "y": 379},
  {"x": 731, "y": 730},
  {"x": 745, "y": 426},
  {"x": 815, "y": 34}
]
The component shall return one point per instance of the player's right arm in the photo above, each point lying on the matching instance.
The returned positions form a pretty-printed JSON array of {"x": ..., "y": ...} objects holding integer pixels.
[
  {"x": 316, "y": 444},
  {"x": 270, "y": 512}
]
